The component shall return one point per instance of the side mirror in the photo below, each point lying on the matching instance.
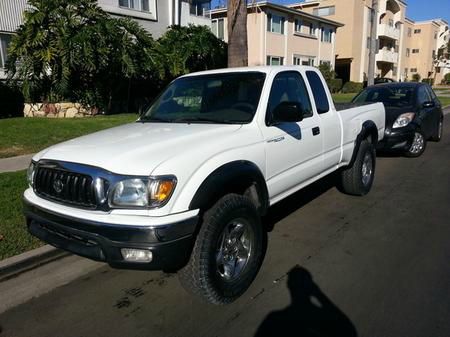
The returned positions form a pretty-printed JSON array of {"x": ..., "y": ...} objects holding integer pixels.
[
  {"x": 429, "y": 104},
  {"x": 287, "y": 112}
]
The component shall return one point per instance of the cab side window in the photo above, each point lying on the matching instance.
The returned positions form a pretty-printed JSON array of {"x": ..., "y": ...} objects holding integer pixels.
[
  {"x": 319, "y": 93},
  {"x": 289, "y": 86},
  {"x": 423, "y": 95}
]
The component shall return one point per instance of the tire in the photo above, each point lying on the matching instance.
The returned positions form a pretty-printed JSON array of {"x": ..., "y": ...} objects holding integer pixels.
[
  {"x": 358, "y": 179},
  {"x": 418, "y": 145},
  {"x": 439, "y": 130},
  {"x": 208, "y": 273}
]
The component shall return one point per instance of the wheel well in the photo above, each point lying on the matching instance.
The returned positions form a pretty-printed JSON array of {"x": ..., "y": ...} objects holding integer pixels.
[
  {"x": 242, "y": 177},
  {"x": 369, "y": 131}
]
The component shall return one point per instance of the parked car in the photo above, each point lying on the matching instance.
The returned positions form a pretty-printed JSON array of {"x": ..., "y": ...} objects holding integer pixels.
[
  {"x": 413, "y": 115},
  {"x": 184, "y": 188}
]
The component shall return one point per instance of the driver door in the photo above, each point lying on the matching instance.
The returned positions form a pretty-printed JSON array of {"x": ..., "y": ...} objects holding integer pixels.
[{"x": 293, "y": 149}]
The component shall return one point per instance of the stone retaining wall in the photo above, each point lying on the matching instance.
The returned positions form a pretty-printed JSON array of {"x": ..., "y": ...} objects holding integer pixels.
[{"x": 58, "y": 110}]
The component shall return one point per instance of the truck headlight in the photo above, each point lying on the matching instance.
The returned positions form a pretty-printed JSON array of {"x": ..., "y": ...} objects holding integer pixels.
[
  {"x": 403, "y": 120},
  {"x": 142, "y": 192},
  {"x": 30, "y": 173}
]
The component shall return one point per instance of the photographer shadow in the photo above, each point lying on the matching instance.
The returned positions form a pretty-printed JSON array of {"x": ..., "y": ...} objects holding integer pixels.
[{"x": 311, "y": 313}]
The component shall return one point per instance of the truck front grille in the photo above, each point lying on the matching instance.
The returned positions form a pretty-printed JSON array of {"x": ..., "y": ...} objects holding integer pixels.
[{"x": 65, "y": 187}]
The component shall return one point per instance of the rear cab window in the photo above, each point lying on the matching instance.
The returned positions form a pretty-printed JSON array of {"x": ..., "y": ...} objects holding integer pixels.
[{"x": 319, "y": 93}]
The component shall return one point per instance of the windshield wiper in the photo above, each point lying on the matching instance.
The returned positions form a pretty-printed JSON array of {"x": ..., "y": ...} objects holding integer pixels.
[
  {"x": 205, "y": 120},
  {"x": 155, "y": 119}
]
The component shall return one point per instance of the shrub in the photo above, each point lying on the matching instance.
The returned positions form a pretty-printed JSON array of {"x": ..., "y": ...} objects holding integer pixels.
[
  {"x": 11, "y": 101},
  {"x": 335, "y": 85},
  {"x": 447, "y": 78},
  {"x": 429, "y": 81},
  {"x": 416, "y": 77},
  {"x": 352, "y": 87}
]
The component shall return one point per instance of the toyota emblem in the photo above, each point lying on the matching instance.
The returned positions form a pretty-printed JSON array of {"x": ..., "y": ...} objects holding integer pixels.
[{"x": 58, "y": 186}]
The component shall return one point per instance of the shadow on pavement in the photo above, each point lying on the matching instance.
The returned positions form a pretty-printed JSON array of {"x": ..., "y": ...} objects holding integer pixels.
[
  {"x": 311, "y": 313},
  {"x": 299, "y": 199}
]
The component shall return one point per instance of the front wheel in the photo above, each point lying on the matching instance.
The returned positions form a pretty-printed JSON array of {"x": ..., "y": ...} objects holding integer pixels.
[
  {"x": 358, "y": 179},
  {"x": 418, "y": 145},
  {"x": 227, "y": 252}
]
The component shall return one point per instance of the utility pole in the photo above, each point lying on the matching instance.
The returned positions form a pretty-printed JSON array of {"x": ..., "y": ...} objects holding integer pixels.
[{"x": 373, "y": 43}]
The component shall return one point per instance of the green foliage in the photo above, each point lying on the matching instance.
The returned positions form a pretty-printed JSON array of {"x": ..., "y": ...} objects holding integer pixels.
[
  {"x": 447, "y": 78},
  {"x": 335, "y": 85},
  {"x": 73, "y": 50},
  {"x": 415, "y": 77},
  {"x": 430, "y": 81},
  {"x": 352, "y": 87},
  {"x": 186, "y": 49}
]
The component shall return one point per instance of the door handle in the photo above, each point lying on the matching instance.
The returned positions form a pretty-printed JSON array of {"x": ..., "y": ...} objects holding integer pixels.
[{"x": 315, "y": 131}]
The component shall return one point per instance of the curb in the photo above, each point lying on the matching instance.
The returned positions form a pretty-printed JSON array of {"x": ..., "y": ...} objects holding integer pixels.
[{"x": 16, "y": 265}]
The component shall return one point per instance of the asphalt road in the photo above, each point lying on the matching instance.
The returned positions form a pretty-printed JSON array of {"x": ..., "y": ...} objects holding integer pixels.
[{"x": 372, "y": 266}]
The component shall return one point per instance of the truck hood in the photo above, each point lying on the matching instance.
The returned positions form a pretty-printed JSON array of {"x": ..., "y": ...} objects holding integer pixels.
[{"x": 138, "y": 148}]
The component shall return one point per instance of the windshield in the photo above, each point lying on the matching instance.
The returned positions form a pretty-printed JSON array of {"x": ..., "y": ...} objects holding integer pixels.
[
  {"x": 390, "y": 96},
  {"x": 227, "y": 98}
]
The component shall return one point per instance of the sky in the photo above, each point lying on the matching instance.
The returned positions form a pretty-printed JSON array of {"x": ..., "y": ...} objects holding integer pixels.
[{"x": 417, "y": 10}]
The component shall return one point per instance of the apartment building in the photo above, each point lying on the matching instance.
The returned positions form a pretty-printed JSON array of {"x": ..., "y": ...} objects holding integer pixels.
[
  {"x": 353, "y": 40},
  {"x": 153, "y": 15},
  {"x": 404, "y": 47},
  {"x": 279, "y": 35},
  {"x": 442, "y": 63}
]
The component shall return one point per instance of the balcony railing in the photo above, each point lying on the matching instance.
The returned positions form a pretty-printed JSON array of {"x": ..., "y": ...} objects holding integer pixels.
[
  {"x": 387, "y": 55},
  {"x": 388, "y": 31}
]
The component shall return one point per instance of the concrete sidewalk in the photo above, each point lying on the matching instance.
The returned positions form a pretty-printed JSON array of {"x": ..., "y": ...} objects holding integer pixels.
[{"x": 15, "y": 163}]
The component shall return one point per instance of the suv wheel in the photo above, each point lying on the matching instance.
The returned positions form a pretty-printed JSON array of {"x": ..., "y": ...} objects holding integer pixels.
[{"x": 227, "y": 253}]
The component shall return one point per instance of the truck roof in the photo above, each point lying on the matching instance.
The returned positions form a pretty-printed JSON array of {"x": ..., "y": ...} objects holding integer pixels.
[{"x": 263, "y": 69}]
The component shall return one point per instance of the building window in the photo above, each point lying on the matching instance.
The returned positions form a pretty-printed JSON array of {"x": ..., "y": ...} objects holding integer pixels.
[
  {"x": 275, "y": 23},
  {"x": 299, "y": 60},
  {"x": 139, "y": 5},
  {"x": 414, "y": 70},
  {"x": 394, "y": 71},
  {"x": 415, "y": 51},
  {"x": 324, "y": 11},
  {"x": 407, "y": 52},
  {"x": 438, "y": 70},
  {"x": 409, "y": 32},
  {"x": 199, "y": 7},
  {"x": 326, "y": 35},
  {"x": 217, "y": 27},
  {"x": 275, "y": 60},
  {"x": 435, "y": 35},
  {"x": 5, "y": 39},
  {"x": 406, "y": 71},
  {"x": 368, "y": 42},
  {"x": 304, "y": 27},
  {"x": 417, "y": 31}
]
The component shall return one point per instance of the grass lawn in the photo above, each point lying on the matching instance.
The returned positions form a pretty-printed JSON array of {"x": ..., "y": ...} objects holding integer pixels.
[
  {"x": 29, "y": 135},
  {"x": 343, "y": 98},
  {"x": 14, "y": 237},
  {"x": 445, "y": 101}
]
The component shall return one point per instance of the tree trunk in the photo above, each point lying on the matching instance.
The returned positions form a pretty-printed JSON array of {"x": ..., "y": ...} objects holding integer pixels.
[{"x": 237, "y": 33}]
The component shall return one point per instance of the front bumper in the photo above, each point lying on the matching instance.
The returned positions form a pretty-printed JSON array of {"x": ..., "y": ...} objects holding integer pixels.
[
  {"x": 397, "y": 139},
  {"x": 170, "y": 245}
]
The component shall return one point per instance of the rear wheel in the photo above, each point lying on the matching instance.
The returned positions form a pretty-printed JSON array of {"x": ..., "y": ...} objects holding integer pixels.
[
  {"x": 418, "y": 145},
  {"x": 439, "y": 130},
  {"x": 358, "y": 179},
  {"x": 227, "y": 253}
]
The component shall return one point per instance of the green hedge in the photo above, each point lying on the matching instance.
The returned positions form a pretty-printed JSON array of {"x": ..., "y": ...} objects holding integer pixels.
[
  {"x": 430, "y": 81},
  {"x": 352, "y": 87},
  {"x": 335, "y": 85}
]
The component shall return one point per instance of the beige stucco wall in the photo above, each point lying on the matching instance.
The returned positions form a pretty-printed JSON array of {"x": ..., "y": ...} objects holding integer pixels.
[{"x": 262, "y": 43}]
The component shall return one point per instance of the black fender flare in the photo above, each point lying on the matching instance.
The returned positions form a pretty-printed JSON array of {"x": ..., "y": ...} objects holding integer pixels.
[
  {"x": 368, "y": 128},
  {"x": 234, "y": 177}
]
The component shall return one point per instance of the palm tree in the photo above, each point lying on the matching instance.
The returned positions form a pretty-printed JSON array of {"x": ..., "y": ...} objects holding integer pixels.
[{"x": 237, "y": 33}]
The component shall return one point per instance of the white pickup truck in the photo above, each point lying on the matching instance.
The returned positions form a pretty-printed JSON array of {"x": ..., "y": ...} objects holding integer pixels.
[{"x": 184, "y": 188}]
